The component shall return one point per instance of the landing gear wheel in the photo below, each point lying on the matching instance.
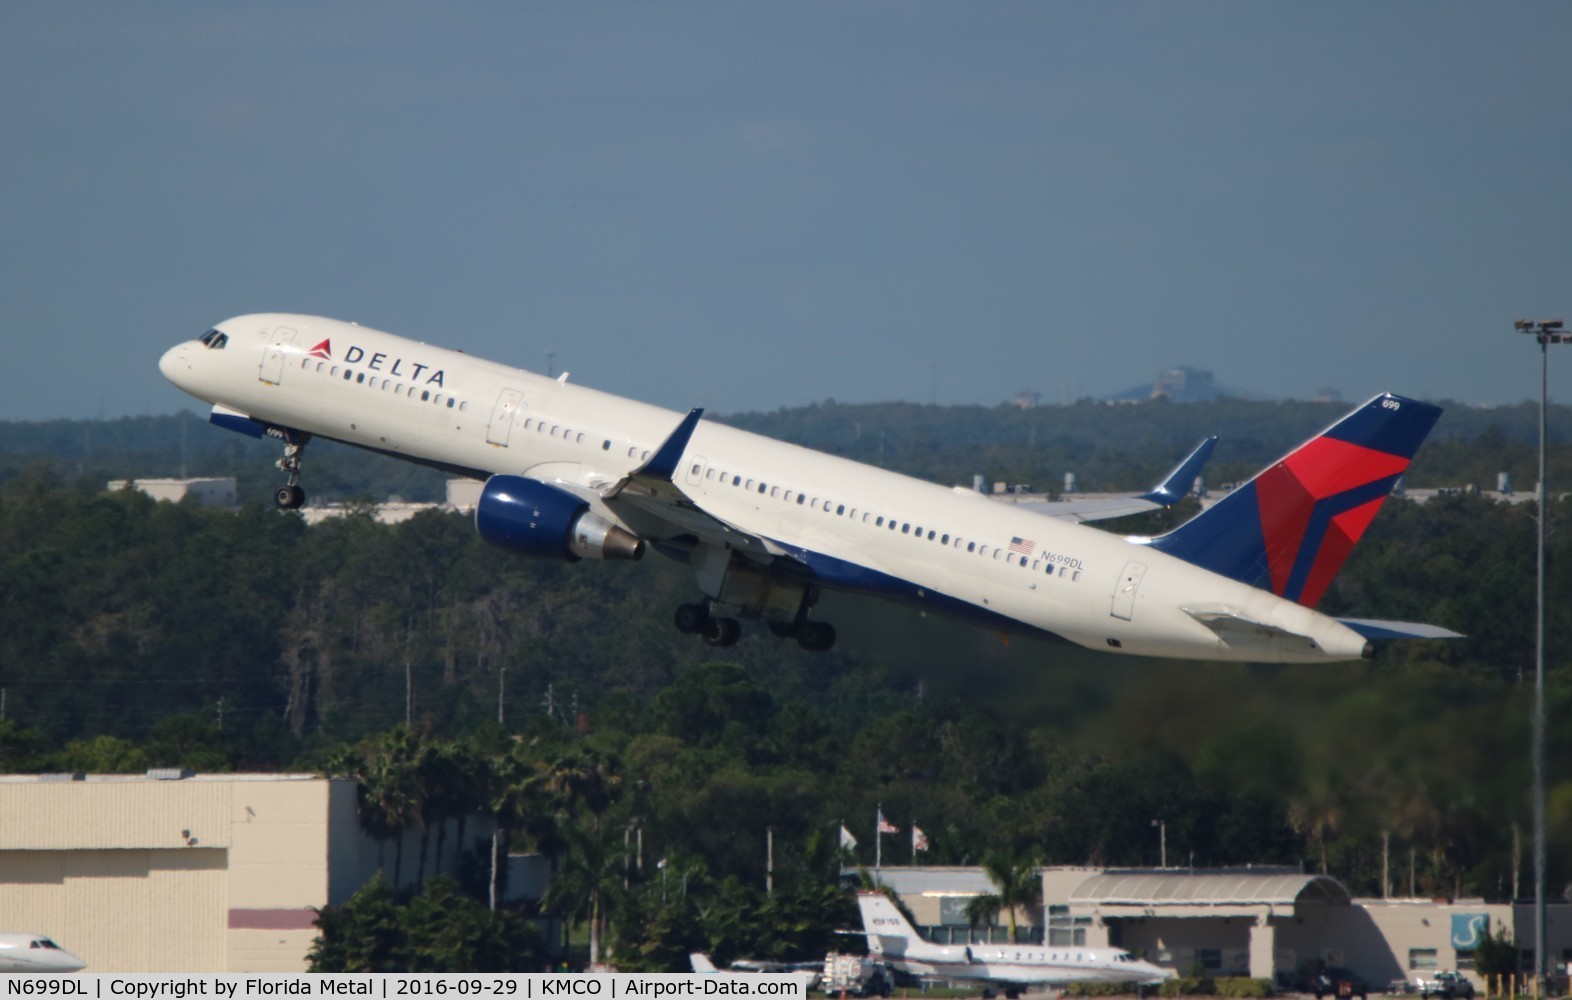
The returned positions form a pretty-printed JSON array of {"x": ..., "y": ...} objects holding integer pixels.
[
  {"x": 692, "y": 619},
  {"x": 723, "y": 632},
  {"x": 289, "y": 497},
  {"x": 816, "y": 637}
]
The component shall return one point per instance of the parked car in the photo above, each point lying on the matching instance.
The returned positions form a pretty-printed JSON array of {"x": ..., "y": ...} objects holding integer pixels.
[
  {"x": 1452, "y": 985},
  {"x": 1335, "y": 981}
]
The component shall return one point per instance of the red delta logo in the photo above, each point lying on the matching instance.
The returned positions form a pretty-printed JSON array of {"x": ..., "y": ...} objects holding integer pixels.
[{"x": 323, "y": 350}]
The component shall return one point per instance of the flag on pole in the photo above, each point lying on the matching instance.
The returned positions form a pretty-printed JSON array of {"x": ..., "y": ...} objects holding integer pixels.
[
  {"x": 919, "y": 839},
  {"x": 848, "y": 842},
  {"x": 885, "y": 826}
]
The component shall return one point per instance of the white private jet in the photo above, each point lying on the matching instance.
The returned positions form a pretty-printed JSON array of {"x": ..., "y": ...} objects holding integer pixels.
[
  {"x": 35, "y": 953},
  {"x": 893, "y": 939},
  {"x": 572, "y": 473},
  {"x": 805, "y": 979}
]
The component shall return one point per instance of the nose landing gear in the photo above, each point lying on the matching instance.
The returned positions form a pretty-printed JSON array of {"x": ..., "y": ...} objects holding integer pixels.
[{"x": 290, "y": 496}]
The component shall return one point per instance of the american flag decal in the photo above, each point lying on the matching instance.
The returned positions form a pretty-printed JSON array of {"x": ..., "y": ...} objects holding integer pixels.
[{"x": 1022, "y": 545}]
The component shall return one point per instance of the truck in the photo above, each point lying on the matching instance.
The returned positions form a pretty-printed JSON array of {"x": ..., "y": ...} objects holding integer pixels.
[
  {"x": 854, "y": 975},
  {"x": 1452, "y": 985}
]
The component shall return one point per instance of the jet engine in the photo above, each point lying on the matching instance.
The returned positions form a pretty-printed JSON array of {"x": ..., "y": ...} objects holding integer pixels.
[{"x": 537, "y": 519}]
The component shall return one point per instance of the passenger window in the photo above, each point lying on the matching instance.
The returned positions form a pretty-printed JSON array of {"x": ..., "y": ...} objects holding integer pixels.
[
  {"x": 750, "y": 484},
  {"x": 695, "y": 468},
  {"x": 347, "y": 374},
  {"x": 906, "y": 529},
  {"x": 944, "y": 539},
  {"x": 736, "y": 480},
  {"x": 425, "y": 395},
  {"x": 814, "y": 503},
  {"x": 606, "y": 446},
  {"x": 775, "y": 491},
  {"x": 800, "y": 499},
  {"x": 971, "y": 546},
  {"x": 646, "y": 456},
  {"x": 361, "y": 378},
  {"x": 930, "y": 534},
  {"x": 761, "y": 488},
  {"x": 840, "y": 508},
  {"x": 451, "y": 401},
  {"x": 709, "y": 474},
  {"x": 879, "y": 521},
  {"x": 1023, "y": 562}
]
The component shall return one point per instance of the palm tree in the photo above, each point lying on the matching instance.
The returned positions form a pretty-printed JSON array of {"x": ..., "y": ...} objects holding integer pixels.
[
  {"x": 1018, "y": 884},
  {"x": 587, "y": 886},
  {"x": 390, "y": 795}
]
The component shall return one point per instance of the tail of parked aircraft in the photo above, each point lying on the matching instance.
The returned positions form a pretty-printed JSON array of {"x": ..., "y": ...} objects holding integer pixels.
[
  {"x": 888, "y": 930},
  {"x": 1290, "y": 528}
]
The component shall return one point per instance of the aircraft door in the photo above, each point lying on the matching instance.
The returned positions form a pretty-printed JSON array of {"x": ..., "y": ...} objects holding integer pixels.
[
  {"x": 1124, "y": 594},
  {"x": 272, "y": 369},
  {"x": 501, "y": 426}
]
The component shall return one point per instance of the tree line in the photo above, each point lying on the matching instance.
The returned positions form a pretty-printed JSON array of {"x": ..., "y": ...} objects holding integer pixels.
[{"x": 144, "y": 634}]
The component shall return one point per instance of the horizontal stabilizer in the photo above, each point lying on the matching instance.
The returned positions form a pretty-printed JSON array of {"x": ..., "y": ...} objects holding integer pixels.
[
  {"x": 1372, "y": 628},
  {"x": 1224, "y": 621}
]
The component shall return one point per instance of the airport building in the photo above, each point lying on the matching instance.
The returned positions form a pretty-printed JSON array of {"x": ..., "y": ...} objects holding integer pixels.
[
  {"x": 1269, "y": 923},
  {"x": 173, "y": 872}
]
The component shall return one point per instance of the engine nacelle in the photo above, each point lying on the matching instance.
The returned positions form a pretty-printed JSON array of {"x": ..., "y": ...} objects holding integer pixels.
[{"x": 537, "y": 519}]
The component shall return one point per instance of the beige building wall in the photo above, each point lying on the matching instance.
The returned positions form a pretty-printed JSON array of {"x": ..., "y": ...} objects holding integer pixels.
[{"x": 211, "y": 873}]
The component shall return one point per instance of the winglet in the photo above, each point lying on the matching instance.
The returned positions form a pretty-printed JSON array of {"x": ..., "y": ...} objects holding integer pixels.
[
  {"x": 663, "y": 464},
  {"x": 1180, "y": 481}
]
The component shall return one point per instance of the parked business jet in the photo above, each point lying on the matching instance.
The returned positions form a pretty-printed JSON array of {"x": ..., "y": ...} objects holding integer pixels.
[
  {"x": 35, "y": 953},
  {"x": 805, "y": 978},
  {"x": 572, "y": 473},
  {"x": 892, "y": 938}
]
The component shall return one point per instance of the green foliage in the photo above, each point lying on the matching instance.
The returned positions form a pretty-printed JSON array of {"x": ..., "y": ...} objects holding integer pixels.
[
  {"x": 1496, "y": 954},
  {"x": 1243, "y": 986},
  {"x": 439, "y": 930}
]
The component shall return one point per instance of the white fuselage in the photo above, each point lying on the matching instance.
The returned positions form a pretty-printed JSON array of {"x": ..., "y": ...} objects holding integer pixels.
[
  {"x": 946, "y": 549},
  {"x": 35, "y": 953}
]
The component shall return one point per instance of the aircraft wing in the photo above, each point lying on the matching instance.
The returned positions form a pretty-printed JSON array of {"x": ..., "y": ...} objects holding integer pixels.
[
  {"x": 1165, "y": 494},
  {"x": 652, "y": 490}
]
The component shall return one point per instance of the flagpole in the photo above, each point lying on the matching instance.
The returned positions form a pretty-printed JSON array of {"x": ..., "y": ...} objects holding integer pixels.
[{"x": 878, "y": 839}]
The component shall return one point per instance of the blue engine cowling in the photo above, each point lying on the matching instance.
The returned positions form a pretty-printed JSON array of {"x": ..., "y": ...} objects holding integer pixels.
[{"x": 536, "y": 519}]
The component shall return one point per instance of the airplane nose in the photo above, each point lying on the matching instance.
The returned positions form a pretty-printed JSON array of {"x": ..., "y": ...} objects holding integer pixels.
[{"x": 173, "y": 364}]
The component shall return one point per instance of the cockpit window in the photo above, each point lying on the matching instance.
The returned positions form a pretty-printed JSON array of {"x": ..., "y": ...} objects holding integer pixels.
[
  {"x": 43, "y": 943},
  {"x": 214, "y": 340}
]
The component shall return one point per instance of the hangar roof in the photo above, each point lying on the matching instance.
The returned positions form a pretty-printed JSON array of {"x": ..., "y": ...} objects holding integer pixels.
[{"x": 1232, "y": 888}]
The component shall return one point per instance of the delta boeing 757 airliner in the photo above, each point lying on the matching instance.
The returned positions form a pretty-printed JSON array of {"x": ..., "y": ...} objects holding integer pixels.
[{"x": 572, "y": 473}]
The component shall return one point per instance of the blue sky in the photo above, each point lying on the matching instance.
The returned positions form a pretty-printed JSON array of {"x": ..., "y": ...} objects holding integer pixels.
[{"x": 753, "y": 205}]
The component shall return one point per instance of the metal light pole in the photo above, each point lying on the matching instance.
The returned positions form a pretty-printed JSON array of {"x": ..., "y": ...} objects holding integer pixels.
[
  {"x": 1162, "y": 843},
  {"x": 1547, "y": 332}
]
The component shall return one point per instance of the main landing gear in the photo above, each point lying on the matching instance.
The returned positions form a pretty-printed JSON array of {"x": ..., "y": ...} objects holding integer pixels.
[
  {"x": 701, "y": 620},
  {"x": 290, "y": 496}
]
